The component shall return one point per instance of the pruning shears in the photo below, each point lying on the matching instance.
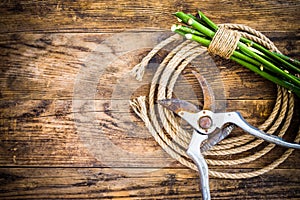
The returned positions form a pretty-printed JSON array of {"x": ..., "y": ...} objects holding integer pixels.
[{"x": 211, "y": 127}]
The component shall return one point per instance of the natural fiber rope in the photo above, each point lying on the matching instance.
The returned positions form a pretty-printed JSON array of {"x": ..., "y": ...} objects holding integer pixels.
[{"x": 174, "y": 140}]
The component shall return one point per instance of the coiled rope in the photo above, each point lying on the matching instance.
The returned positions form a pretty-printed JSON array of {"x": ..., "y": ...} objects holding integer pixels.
[{"x": 174, "y": 139}]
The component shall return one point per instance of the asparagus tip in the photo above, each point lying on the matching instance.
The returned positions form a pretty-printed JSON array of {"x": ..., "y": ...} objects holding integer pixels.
[
  {"x": 188, "y": 36},
  {"x": 190, "y": 21},
  {"x": 176, "y": 14},
  {"x": 173, "y": 27},
  {"x": 261, "y": 68}
]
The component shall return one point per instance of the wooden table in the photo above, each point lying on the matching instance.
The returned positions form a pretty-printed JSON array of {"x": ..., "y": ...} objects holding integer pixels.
[{"x": 44, "y": 48}]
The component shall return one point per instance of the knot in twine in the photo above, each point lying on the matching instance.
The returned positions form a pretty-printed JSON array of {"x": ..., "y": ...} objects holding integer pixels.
[{"x": 224, "y": 42}]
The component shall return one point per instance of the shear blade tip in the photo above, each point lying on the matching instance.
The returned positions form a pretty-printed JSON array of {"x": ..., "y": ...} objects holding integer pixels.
[{"x": 164, "y": 102}]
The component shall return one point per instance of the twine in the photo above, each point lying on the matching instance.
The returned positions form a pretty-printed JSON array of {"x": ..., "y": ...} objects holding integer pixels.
[
  {"x": 224, "y": 42},
  {"x": 168, "y": 132}
]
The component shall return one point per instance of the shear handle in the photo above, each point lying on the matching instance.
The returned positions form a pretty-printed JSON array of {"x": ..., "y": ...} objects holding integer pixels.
[
  {"x": 237, "y": 119},
  {"x": 195, "y": 154}
]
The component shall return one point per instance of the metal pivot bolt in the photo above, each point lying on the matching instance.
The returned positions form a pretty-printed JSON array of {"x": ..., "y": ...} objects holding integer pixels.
[{"x": 205, "y": 122}]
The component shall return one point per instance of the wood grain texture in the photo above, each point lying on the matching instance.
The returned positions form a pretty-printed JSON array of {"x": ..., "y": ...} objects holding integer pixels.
[
  {"x": 108, "y": 16},
  {"x": 45, "y": 46},
  {"x": 103, "y": 183}
]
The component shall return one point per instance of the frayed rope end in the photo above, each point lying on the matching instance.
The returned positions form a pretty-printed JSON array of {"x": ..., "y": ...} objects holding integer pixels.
[
  {"x": 139, "y": 107},
  {"x": 138, "y": 71}
]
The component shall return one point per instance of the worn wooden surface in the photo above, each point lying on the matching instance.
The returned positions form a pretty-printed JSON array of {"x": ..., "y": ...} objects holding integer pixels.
[{"x": 44, "y": 45}]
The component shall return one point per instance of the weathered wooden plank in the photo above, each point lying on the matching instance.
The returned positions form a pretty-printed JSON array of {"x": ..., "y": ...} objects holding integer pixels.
[
  {"x": 254, "y": 110},
  {"x": 43, "y": 47},
  {"x": 111, "y": 16},
  {"x": 50, "y": 132},
  {"x": 122, "y": 183},
  {"x": 51, "y": 66}
]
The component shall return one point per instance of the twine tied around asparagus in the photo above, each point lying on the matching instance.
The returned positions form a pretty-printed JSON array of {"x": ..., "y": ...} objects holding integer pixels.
[{"x": 224, "y": 42}]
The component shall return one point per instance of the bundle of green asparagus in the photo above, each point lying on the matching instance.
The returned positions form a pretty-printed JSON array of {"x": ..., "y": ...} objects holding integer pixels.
[{"x": 273, "y": 66}]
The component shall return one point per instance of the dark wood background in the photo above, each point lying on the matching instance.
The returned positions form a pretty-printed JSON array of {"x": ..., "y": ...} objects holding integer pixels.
[{"x": 43, "y": 46}]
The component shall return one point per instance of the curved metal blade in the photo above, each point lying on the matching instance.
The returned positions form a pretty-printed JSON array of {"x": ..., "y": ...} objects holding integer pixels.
[
  {"x": 208, "y": 94},
  {"x": 177, "y": 105}
]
